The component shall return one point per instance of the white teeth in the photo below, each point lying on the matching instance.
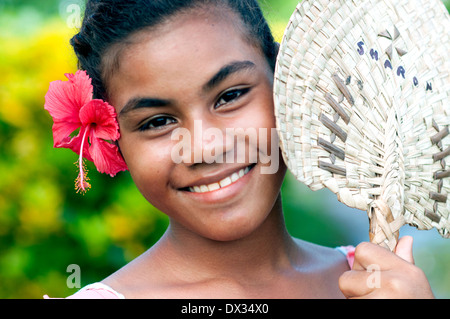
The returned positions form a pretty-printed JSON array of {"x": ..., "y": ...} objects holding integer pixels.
[
  {"x": 213, "y": 187},
  {"x": 224, "y": 182}
]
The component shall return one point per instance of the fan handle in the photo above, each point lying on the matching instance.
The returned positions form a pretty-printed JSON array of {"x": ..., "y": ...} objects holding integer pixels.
[{"x": 383, "y": 228}]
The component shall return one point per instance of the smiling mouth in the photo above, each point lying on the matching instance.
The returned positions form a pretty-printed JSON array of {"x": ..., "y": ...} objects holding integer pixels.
[{"x": 222, "y": 183}]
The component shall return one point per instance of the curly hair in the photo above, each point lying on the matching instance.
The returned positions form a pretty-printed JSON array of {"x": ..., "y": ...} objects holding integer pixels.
[{"x": 108, "y": 23}]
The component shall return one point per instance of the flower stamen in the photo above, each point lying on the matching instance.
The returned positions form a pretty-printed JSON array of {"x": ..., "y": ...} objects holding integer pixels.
[{"x": 81, "y": 182}]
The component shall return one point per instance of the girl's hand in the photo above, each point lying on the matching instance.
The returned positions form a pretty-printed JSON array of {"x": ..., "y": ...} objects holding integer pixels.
[{"x": 379, "y": 273}]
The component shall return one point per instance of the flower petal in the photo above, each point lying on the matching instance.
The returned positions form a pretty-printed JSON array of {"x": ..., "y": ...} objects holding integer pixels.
[
  {"x": 106, "y": 157},
  {"x": 61, "y": 133},
  {"x": 101, "y": 117},
  {"x": 64, "y": 99},
  {"x": 83, "y": 87}
]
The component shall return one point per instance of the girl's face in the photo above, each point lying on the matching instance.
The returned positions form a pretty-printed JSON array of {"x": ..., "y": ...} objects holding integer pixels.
[{"x": 197, "y": 73}]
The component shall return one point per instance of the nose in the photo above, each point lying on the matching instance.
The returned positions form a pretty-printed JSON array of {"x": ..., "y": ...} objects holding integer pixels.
[
  {"x": 202, "y": 141},
  {"x": 211, "y": 142}
]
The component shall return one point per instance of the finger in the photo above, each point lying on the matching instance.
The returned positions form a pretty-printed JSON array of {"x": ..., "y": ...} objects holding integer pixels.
[
  {"x": 369, "y": 254},
  {"x": 404, "y": 249},
  {"x": 355, "y": 283},
  {"x": 358, "y": 256},
  {"x": 357, "y": 264}
]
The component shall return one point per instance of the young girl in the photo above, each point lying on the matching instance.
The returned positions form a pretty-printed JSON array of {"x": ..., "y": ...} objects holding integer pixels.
[{"x": 166, "y": 65}]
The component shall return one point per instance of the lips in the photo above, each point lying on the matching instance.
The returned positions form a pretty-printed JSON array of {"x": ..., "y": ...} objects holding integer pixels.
[{"x": 221, "y": 182}]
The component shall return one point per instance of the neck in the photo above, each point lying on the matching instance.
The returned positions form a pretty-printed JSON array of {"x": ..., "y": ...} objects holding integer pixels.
[{"x": 269, "y": 249}]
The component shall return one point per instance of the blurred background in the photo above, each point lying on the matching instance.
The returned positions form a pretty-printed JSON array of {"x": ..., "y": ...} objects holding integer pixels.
[{"x": 45, "y": 226}]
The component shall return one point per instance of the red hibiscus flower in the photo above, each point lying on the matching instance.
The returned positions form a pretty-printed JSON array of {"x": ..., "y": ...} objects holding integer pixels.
[{"x": 71, "y": 106}]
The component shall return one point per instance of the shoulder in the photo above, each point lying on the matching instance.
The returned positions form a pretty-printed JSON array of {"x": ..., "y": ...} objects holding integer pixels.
[
  {"x": 323, "y": 266},
  {"x": 326, "y": 256},
  {"x": 329, "y": 262}
]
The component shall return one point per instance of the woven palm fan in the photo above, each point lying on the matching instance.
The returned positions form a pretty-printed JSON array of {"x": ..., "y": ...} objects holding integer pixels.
[{"x": 362, "y": 102}]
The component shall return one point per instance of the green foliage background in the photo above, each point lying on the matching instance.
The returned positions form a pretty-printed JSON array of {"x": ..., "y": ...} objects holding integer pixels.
[{"x": 45, "y": 226}]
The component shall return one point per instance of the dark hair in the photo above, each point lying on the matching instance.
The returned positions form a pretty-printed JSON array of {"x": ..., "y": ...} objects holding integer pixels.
[{"x": 109, "y": 22}]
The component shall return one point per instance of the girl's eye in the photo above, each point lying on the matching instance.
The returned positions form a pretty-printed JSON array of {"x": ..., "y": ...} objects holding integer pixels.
[
  {"x": 157, "y": 123},
  {"x": 230, "y": 96}
]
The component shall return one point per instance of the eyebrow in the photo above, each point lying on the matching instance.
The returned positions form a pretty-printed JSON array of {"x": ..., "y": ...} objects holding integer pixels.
[
  {"x": 143, "y": 102},
  {"x": 226, "y": 71},
  {"x": 219, "y": 77}
]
